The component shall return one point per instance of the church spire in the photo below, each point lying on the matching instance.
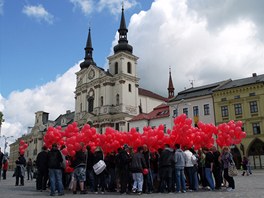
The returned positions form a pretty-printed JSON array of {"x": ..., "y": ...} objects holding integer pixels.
[
  {"x": 88, "y": 59},
  {"x": 171, "y": 87},
  {"x": 123, "y": 42}
]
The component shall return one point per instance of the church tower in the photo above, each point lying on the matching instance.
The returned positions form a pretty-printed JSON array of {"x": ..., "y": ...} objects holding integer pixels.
[
  {"x": 108, "y": 98},
  {"x": 170, "y": 87}
]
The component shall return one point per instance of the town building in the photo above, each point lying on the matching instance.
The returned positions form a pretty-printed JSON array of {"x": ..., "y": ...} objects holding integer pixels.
[
  {"x": 34, "y": 137},
  {"x": 243, "y": 99}
]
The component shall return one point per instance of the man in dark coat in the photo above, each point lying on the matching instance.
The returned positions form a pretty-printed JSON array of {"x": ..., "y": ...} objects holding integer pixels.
[
  {"x": 124, "y": 171},
  {"x": 165, "y": 166},
  {"x": 42, "y": 168},
  {"x": 55, "y": 173}
]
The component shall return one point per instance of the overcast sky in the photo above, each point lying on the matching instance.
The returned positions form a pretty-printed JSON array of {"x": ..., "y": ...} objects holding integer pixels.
[{"x": 203, "y": 41}]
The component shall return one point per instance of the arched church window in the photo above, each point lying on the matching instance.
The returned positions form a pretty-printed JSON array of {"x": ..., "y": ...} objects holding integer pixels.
[
  {"x": 129, "y": 69},
  {"x": 102, "y": 101},
  {"x": 116, "y": 67},
  {"x": 90, "y": 104},
  {"x": 117, "y": 99}
]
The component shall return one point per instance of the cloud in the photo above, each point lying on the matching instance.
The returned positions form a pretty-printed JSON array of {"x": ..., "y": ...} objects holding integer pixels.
[
  {"x": 86, "y": 6},
  {"x": 1, "y": 7},
  {"x": 171, "y": 34},
  {"x": 222, "y": 13},
  {"x": 114, "y": 5},
  {"x": 55, "y": 97},
  {"x": 89, "y": 6},
  {"x": 39, "y": 13}
]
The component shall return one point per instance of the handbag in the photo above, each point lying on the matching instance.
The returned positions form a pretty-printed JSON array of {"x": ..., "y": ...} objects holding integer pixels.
[
  {"x": 232, "y": 170},
  {"x": 99, "y": 167}
]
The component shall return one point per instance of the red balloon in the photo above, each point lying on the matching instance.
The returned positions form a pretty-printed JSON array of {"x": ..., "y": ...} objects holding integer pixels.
[{"x": 145, "y": 171}]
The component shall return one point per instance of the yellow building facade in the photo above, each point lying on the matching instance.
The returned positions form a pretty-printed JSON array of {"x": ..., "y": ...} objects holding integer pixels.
[{"x": 243, "y": 99}]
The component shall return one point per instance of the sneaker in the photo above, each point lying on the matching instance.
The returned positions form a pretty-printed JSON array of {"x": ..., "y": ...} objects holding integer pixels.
[
  {"x": 134, "y": 190},
  {"x": 61, "y": 194},
  {"x": 95, "y": 192},
  {"x": 139, "y": 193},
  {"x": 229, "y": 189},
  {"x": 102, "y": 192},
  {"x": 184, "y": 191}
]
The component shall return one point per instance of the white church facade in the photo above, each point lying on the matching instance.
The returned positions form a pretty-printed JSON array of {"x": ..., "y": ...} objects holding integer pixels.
[{"x": 113, "y": 97}]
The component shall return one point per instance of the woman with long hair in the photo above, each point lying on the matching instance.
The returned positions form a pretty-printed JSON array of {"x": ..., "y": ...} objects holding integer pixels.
[{"x": 227, "y": 158}]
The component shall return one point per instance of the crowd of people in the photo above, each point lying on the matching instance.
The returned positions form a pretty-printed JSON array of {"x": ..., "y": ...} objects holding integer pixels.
[{"x": 128, "y": 171}]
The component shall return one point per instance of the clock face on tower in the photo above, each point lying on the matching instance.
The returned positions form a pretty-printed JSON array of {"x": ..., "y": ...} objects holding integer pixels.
[{"x": 91, "y": 74}]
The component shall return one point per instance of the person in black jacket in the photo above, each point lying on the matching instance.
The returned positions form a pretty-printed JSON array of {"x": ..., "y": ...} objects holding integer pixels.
[
  {"x": 110, "y": 161},
  {"x": 124, "y": 169},
  {"x": 42, "y": 169},
  {"x": 165, "y": 167},
  {"x": 100, "y": 178},
  {"x": 138, "y": 163},
  {"x": 55, "y": 174},
  {"x": 20, "y": 169},
  {"x": 79, "y": 173},
  {"x": 89, "y": 168}
]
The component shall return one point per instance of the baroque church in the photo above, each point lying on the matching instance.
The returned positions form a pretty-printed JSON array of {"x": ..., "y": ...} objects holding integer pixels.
[{"x": 111, "y": 98}]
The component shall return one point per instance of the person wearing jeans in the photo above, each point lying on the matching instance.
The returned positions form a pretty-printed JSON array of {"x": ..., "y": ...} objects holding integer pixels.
[
  {"x": 179, "y": 158},
  {"x": 227, "y": 158},
  {"x": 55, "y": 175},
  {"x": 209, "y": 162}
]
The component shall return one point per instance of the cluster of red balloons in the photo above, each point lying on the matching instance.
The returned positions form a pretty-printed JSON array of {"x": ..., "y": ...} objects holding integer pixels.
[
  {"x": 22, "y": 147},
  {"x": 183, "y": 133},
  {"x": 230, "y": 133}
]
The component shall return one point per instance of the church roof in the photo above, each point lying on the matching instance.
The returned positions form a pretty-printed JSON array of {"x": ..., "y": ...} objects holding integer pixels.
[
  {"x": 144, "y": 92},
  {"x": 161, "y": 111}
]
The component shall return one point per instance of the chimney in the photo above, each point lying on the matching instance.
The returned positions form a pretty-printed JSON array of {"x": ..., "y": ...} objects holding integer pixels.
[
  {"x": 68, "y": 111},
  {"x": 254, "y": 75}
]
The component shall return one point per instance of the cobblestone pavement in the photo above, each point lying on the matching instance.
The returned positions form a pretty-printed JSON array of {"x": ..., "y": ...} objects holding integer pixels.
[{"x": 246, "y": 186}]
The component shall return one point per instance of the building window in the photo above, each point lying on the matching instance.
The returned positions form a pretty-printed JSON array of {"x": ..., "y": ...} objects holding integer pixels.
[
  {"x": 129, "y": 88},
  {"x": 252, "y": 94},
  {"x": 175, "y": 113},
  {"x": 224, "y": 111},
  {"x": 117, "y": 99},
  {"x": 117, "y": 126},
  {"x": 223, "y": 99},
  {"x": 256, "y": 128},
  {"x": 35, "y": 140},
  {"x": 102, "y": 101},
  {"x": 238, "y": 109},
  {"x": 137, "y": 129},
  {"x": 195, "y": 111},
  {"x": 80, "y": 107},
  {"x": 165, "y": 128},
  {"x": 129, "y": 68},
  {"x": 206, "y": 109},
  {"x": 253, "y": 106},
  {"x": 237, "y": 97},
  {"x": 185, "y": 111},
  {"x": 116, "y": 67},
  {"x": 90, "y": 104}
]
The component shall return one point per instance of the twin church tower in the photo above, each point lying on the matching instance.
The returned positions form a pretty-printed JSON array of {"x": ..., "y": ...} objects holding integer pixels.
[{"x": 111, "y": 98}]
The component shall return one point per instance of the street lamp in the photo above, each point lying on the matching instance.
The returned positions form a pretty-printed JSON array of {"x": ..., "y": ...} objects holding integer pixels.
[{"x": 5, "y": 138}]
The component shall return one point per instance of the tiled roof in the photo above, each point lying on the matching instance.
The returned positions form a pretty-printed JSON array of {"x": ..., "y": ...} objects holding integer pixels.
[
  {"x": 242, "y": 82},
  {"x": 198, "y": 91},
  {"x": 160, "y": 111},
  {"x": 144, "y": 92}
]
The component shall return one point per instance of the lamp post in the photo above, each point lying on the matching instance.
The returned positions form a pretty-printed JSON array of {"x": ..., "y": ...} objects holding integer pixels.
[{"x": 6, "y": 138}]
